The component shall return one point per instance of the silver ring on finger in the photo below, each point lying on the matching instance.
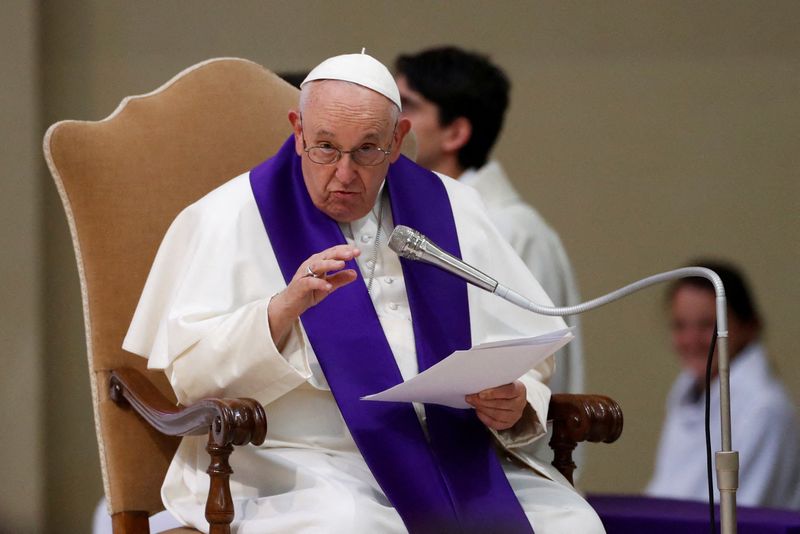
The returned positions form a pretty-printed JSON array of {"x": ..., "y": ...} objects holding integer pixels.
[{"x": 310, "y": 273}]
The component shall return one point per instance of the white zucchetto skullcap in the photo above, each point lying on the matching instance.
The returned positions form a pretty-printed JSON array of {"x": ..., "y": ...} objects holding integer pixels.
[{"x": 361, "y": 69}]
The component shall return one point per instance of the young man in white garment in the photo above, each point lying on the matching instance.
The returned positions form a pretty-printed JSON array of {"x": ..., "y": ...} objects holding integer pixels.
[
  {"x": 280, "y": 286},
  {"x": 456, "y": 101}
]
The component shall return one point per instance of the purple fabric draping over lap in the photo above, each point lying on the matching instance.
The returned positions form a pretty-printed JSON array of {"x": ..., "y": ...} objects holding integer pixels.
[
  {"x": 623, "y": 514},
  {"x": 454, "y": 483}
]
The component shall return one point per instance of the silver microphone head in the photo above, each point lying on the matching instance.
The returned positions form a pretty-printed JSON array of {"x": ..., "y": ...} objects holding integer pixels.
[
  {"x": 406, "y": 242},
  {"x": 410, "y": 244}
]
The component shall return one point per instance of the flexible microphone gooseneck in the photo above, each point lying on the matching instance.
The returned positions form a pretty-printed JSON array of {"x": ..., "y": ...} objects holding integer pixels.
[{"x": 411, "y": 244}]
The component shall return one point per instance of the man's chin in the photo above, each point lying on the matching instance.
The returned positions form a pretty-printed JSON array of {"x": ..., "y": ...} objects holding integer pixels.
[
  {"x": 697, "y": 366},
  {"x": 345, "y": 214}
]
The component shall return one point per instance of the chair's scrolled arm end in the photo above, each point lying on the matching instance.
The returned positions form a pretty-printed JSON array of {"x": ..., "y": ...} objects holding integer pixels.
[
  {"x": 229, "y": 421},
  {"x": 592, "y": 418},
  {"x": 237, "y": 421}
]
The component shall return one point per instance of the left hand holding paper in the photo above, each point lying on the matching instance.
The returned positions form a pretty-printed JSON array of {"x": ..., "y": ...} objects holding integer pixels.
[
  {"x": 501, "y": 407},
  {"x": 483, "y": 368}
]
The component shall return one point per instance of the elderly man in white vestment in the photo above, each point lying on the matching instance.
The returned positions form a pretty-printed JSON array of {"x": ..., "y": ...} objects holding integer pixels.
[{"x": 280, "y": 286}]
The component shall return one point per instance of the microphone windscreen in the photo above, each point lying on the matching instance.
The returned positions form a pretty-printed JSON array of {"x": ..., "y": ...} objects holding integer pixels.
[{"x": 400, "y": 238}]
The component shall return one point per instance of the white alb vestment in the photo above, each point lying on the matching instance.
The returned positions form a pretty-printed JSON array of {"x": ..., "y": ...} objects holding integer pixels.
[
  {"x": 541, "y": 250},
  {"x": 765, "y": 431},
  {"x": 203, "y": 319}
]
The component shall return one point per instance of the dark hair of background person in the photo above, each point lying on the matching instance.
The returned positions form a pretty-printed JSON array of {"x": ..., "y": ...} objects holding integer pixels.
[
  {"x": 461, "y": 84},
  {"x": 294, "y": 77},
  {"x": 737, "y": 293}
]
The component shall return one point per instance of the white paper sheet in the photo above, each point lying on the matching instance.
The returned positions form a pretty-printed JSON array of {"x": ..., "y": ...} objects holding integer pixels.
[{"x": 469, "y": 371}]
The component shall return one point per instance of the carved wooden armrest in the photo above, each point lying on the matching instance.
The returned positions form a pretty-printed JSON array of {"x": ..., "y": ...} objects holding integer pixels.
[
  {"x": 578, "y": 418},
  {"x": 228, "y": 422}
]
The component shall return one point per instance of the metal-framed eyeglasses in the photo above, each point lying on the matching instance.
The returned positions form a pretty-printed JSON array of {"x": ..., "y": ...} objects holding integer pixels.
[{"x": 367, "y": 155}]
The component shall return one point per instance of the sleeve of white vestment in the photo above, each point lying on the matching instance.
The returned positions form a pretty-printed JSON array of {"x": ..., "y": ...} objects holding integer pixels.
[{"x": 202, "y": 317}]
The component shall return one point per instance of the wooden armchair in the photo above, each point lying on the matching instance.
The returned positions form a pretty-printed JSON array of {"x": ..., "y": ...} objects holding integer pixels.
[{"x": 122, "y": 180}]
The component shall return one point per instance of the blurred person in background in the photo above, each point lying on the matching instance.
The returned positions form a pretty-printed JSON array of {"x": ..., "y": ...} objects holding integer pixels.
[{"x": 763, "y": 417}]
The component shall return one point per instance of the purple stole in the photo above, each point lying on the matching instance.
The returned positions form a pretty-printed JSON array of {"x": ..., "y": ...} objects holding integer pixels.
[{"x": 454, "y": 482}]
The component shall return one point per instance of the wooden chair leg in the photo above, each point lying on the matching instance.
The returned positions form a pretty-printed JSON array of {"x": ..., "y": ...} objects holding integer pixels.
[
  {"x": 562, "y": 454},
  {"x": 219, "y": 506}
]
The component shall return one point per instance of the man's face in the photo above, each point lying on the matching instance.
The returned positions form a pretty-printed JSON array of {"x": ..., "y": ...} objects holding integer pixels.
[
  {"x": 345, "y": 116},
  {"x": 693, "y": 313},
  {"x": 424, "y": 117},
  {"x": 692, "y": 317}
]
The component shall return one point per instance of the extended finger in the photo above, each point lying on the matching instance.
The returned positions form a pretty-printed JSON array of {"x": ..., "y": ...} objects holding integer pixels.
[
  {"x": 330, "y": 284},
  {"x": 308, "y": 284},
  {"x": 342, "y": 278},
  {"x": 338, "y": 252},
  {"x": 497, "y": 404},
  {"x": 506, "y": 391},
  {"x": 322, "y": 267}
]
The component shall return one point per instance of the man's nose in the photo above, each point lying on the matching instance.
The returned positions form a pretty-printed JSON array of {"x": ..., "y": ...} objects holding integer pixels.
[{"x": 345, "y": 168}]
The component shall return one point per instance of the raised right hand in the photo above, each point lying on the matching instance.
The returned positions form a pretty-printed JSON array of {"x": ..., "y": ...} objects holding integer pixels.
[{"x": 305, "y": 291}]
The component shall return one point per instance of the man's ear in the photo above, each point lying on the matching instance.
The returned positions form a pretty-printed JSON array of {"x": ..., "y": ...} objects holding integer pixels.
[
  {"x": 297, "y": 130},
  {"x": 456, "y": 134},
  {"x": 403, "y": 127}
]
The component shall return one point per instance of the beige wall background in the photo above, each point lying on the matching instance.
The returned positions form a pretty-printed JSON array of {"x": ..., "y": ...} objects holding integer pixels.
[
  {"x": 646, "y": 132},
  {"x": 22, "y": 396}
]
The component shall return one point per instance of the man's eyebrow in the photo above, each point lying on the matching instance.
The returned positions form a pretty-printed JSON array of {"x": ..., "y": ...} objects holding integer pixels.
[
  {"x": 327, "y": 134},
  {"x": 372, "y": 136}
]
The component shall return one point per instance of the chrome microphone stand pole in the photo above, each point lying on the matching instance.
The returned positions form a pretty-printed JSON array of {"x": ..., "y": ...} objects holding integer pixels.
[{"x": 726, "y": 460}]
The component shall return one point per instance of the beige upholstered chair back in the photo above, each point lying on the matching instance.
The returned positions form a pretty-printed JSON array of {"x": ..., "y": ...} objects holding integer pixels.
[{"x": 122, "y": 180}]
